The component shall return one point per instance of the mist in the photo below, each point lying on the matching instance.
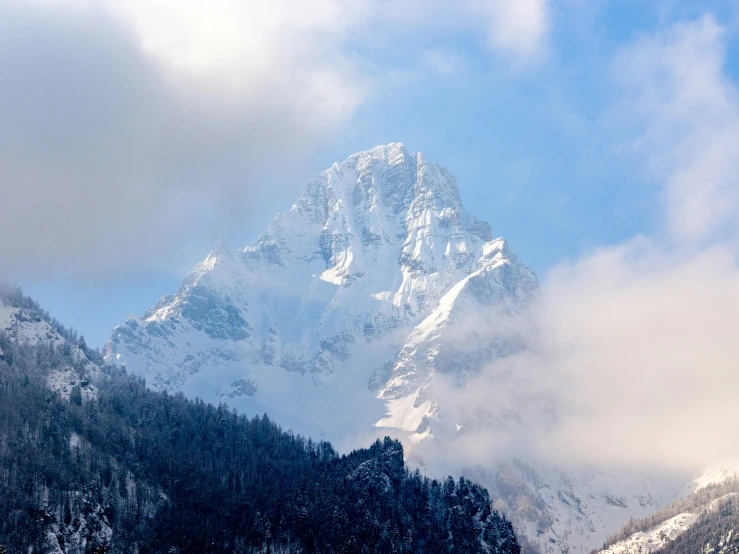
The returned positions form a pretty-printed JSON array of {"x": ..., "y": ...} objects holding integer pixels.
[{"x": 635, "y": 359}]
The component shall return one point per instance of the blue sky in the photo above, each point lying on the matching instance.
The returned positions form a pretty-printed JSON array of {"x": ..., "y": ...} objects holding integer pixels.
[{"x": 538, "y": 128}]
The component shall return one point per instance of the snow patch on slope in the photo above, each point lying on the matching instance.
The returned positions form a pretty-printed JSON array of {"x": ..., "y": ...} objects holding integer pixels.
[
  {"x": 63, "y": 381},
  {"x": 407, "y": 412},
  {"x": 25, "y": 326}
]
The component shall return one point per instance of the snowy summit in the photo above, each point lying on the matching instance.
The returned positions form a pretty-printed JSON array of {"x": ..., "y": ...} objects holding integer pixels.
[{"x": 356, "y": 290}]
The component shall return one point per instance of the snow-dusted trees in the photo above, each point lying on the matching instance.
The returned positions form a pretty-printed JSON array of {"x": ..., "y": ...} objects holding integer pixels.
[
  {"x": 156, "y": 473},
  {"x": 715, "y": 532}
]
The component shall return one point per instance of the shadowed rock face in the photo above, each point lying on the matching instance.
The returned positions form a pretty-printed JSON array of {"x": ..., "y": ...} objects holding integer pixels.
[{"x": 213, "y": 315}]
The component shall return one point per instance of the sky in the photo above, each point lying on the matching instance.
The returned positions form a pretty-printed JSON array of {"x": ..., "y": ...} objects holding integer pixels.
[{"x": 135, "y": 134}]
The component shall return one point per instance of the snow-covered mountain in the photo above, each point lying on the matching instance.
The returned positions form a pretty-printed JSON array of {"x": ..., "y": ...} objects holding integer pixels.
[
  {"x": 354, "y": 314},
  {"x": 366, "y": 283}
]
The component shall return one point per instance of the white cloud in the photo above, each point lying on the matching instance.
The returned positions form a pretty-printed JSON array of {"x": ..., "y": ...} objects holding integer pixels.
[
  {"x": 130, "y": 127},
  {"x": 643, "y": 334},
  {"x": 644, "y": 344},
  {"x": 116, "y": 150},
  {"x": 232, "y": 40},
  {"x": 232, "y": 48},
  {"x": 689, "y": 111},
  {"x": 516, "y": 26},
  {"x": 636, "y": 353}
]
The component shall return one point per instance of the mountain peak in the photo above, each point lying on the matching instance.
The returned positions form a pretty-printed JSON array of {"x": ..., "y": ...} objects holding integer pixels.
[
  {"x": 392, "y": 150},
  {"x": 375, "y": 246},
  {"x": 220, "y": 248},
  {"x": 379, "y": 203},
  {"x": 404, "y": 174}
]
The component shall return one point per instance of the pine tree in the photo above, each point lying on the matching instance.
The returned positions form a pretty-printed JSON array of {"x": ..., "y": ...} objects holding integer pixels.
[
  {"x": 99, "y": 550},
  {"x": 75, "y": 397},
  {"x": 2, "y": 549}
]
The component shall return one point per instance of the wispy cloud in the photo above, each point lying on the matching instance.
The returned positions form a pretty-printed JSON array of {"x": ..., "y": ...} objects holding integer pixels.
[
  {"x": 643, "y": 342},
  {"x": 520, "y": 27},
  {"x": 688, "y": 110}
]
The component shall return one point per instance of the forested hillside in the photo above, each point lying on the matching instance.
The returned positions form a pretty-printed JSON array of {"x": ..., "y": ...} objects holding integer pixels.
[
  {"x": 715, "y": 532},
  {"x": 704, "y": 522},
  {"x": 89, "y": 457}
]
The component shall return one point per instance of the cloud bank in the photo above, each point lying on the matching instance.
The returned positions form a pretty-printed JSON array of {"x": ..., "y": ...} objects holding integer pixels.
[
  {"x": 646, "y": 330},
  {"x": 637, "y": 357},
  {"x": 129, "y": 128}
]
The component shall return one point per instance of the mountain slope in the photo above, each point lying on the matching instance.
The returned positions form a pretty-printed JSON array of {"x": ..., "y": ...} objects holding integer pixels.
[
  {"x": 707, "y": 515},
  {"x": 716, "y": 531},
  {"x": 141, "y": 471}
]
